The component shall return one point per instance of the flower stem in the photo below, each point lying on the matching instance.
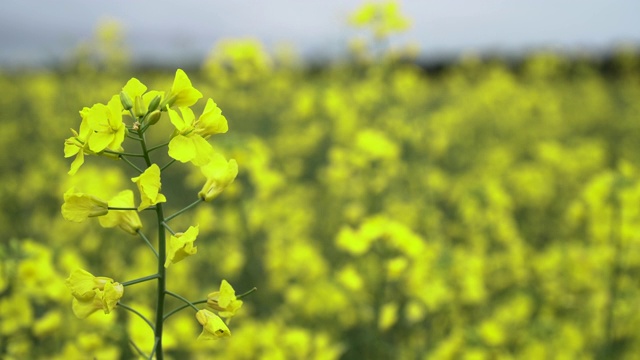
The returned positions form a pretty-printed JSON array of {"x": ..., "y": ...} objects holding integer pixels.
[
  {"x": 167, "y": 164},
  {"x": 157, "y": 147},
  {"x": 169, "y": 229},
  {"x": 138, "y": 350},
  {"x": 170, "y": 313},
  {"x": 162, "y": 256},
  {"x": 246, "y": 293},
  {"x": 183, "y": 299},
  {"x": 121, "y": 208},
  {"x": 122, "y": 153},
  {"x": 155, "y": 252},
  {"x": 193, "y": 204},
  {"x": 162, "y": 282},
  {"x": 127, "y": 307},
  {"x": 139, "y": 280},
  {"x": 130, "y": 163}
]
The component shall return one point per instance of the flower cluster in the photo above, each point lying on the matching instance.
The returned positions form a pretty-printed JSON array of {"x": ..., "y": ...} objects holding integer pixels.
[
  {"x": 225, "y": 302},
  {"x": 102, "y": 132},
  {"x": 91, "y": 293}
]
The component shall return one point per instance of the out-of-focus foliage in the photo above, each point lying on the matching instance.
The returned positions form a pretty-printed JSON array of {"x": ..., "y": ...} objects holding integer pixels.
[{"x": 484, "y": 212}]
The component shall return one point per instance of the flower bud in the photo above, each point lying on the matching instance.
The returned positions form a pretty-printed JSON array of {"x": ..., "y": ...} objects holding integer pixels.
[
  {"x": 153, "y": 117},
  {"x": 153, "y": 104},
  {"x": 127, "y": 104},
  {"x": 139, "y": 108}
]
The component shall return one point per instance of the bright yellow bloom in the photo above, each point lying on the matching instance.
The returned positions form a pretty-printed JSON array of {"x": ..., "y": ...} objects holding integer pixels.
[
  {"x": 82, "y": 283},
  {"x": 187, "y": 145},
  {"x": 84, "y": 308},
  {"x": 182, "y": 92},
  {"x": 91, "y": 293},
  {"x": 213, "y": 328},
  {"x": 135, "y": 90},
  {"x": 113, "y": 292},
  {"x": 106, "y": 122},
  {"x": 219, "y": 173},
  {"x": 211, "y": 121},
  {"x": 181, "y": 245},
  {"x": 149, "y": 185},
  {"x": 78, "y": 206},
  {"x": 127, "y": 220},
  {"x": 102, "y": 300},
  {"x": 224, "y": 301},
  {"x": 77, "y": 144}
]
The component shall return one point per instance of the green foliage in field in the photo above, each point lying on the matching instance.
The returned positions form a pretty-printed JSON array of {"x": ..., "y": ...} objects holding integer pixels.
[{"x": 484, "y": 212}]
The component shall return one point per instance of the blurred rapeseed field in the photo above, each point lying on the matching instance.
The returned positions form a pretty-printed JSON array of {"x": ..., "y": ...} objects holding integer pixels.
[{"x": 485, "y": 211}]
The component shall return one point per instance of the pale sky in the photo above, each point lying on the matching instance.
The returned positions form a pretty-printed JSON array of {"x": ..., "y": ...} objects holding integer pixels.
[{"x": 33, "y": 31}]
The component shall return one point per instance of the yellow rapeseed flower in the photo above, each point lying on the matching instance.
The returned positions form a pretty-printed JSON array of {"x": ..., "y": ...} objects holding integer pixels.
[
  {"x": 127, "y": 220},
  {"x": 78, "y": 144},
  {"x": 224, "y": 300},
  {"x": 219, "y": 173},
  {"x": 187, "y": 145},
  {"x": 181, "y": 245},
  {"x": 149, "y": 185},
  {"x": 82, "y": 284},
  {"x": 182, "y": 92},
  {"x": 135, "y": 91},
  {"x": 213, "y": 328},
  {"x": 78, "y": 207},
  {"x": 91, "y": 293},
  {"x": 106, "y": 122},
  {"x": 211, "y": 121}
]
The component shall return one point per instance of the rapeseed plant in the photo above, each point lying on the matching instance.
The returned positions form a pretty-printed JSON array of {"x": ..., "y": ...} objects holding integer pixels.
[{"x": 102, "y": 133}]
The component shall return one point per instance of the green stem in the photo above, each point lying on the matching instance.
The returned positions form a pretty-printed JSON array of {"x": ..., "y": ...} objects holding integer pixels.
[
  {"x": 170, "y": 313},
  {"x": 180, "y": 297},
  {"x": 145, "y": 127},
  {"x": 167, "y": 164},
  {"x": 162, "y": 256},
  {"x": 131, "y": 164},
  {"x": 162, "y": 281},
  {"x": 133, "y": 115},
  {"x": 193, "y": 204},
  {"x": 157, "y": 147},
  {"x": 139, "y": 280},
  {"x": 155, "y": 252},
  {"x": 138, "y": 350},
  {"x": 128, "y": 308},
  {"x": 246, "y": 293},
  {"x": 155, "y": 348},
  {"x": 121, "y": 208},
  {"x": 133, "y": 137},
  {"x": 168, "y": 228},
  {"x": 122, "y": 153}
]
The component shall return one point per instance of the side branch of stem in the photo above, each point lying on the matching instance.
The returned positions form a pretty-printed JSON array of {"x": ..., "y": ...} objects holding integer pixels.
[{"x": 129, "y": 308}]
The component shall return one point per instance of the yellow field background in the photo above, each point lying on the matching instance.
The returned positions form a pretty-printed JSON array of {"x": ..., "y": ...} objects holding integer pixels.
[{"x": 488, "y": 210}]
